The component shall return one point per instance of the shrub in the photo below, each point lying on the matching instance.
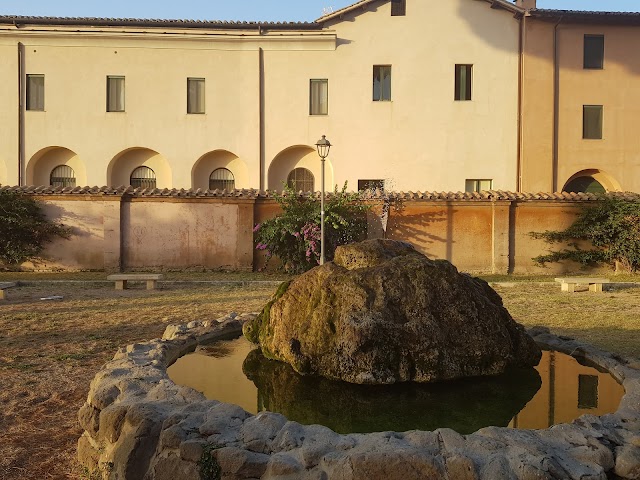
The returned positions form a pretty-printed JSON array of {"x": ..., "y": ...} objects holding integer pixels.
[
  {"x": 294, "y": 235},
  {"x": 612, "y": 226},
  {"x": 24, "y": 229}
]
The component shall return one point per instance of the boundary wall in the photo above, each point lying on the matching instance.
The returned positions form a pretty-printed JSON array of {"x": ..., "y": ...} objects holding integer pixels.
[{"x": 127, "y": 230}]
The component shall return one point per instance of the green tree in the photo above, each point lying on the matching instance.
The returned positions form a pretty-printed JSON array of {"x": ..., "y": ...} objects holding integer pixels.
[
  {"x": 611, "y": 225},
  {"x": 294, "y": 235},
  {"x": 24, "y": 229}
]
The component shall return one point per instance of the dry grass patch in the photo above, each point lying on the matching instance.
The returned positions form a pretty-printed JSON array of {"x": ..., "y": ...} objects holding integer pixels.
[
  {"x": 609, "y": 320},
  {"x": 50, "y": 351}
]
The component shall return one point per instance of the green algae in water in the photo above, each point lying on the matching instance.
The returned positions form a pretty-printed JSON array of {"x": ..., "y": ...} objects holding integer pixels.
[
  {"x": 569, "y": 389},
  {"x": 464, "y": 406}
]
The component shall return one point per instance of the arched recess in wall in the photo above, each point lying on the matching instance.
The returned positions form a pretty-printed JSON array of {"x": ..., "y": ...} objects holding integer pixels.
[
  {"x": 299, "y": 156},
  {"x": 46, "y": 160},
  {"x": 591, "y": 181},
  {"x": 123, "y": 165},
  {"x": 217, "y": 159}
]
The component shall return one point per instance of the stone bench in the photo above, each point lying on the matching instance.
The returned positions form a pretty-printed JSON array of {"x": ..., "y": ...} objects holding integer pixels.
[
  {"x": 4, "y": 286},
  {"x": 568, "y": 284},
  {"x": 121, "y": 279}
]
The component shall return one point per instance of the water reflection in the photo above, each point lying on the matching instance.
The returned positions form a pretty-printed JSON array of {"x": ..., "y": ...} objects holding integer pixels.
[
  {"x": 568, "y": 391},
  {"x": 218, "y": 376},
  {"x": 557, "y": 391},
  {"x": 464, "y": 406}
]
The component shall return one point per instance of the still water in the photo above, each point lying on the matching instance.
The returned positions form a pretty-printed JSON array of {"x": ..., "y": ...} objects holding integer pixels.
[{"x": 558, "y": 390}]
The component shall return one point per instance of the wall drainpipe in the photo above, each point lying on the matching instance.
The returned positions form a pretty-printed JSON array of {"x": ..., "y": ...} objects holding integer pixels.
[
  {"x": 261, "y": 133},
  {"x": 21, "y": 99},
  {"x": 556, "y": 106},
  {"x": 520, "y": 155}
]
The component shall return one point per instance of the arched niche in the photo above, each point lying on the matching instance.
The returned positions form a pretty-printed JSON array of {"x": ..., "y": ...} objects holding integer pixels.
[
  {"x": 214, "y": 160},
  {"x": 299, "y": 156},
  {"x": 41, "y": 165},
  {"x": 591, "y": 181},
  {"x": 123, "y": 165}
]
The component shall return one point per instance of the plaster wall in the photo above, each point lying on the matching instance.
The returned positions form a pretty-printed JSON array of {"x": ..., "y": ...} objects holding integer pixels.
[
  {"x": 422, "y": 139},
  {"x": 617, "y": 153},
  {"x": 537, "y": 108},
  {"x": 156, "y": 67},
  {"x": 540, "y": 217},
  {"x": 8, "y": 112},
  {"x": 84, "y": 249},
  {"x": 164, "y": 235},
  {"x": 461, "y": 234}
]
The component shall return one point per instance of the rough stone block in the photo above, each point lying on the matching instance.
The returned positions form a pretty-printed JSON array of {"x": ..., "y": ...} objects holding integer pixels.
[
  {"x": 628, "y": 462},
  {"x": 240, "y": 462}
]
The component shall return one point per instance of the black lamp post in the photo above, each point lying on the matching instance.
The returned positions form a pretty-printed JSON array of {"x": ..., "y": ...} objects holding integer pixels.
[{"x": 323, "y": 145}]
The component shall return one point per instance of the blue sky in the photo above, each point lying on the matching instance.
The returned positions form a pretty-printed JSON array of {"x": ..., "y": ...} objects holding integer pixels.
[{"x": 236, "y": 9}]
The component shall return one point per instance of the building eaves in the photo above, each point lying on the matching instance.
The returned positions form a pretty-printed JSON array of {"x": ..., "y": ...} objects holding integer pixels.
[
  {"x": 504, "y": 4},
  {"x": 19, "y": 21},
  {"x": 583, "y": 16},
  {"x": 377, "y": 195}
]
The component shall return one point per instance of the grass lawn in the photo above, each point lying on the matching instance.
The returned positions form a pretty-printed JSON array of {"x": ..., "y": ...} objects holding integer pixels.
[{"x": 50, "y": 350}]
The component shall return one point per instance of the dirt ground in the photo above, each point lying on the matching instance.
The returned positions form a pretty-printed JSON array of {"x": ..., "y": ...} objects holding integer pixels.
[{"x": 50, "y": 350}]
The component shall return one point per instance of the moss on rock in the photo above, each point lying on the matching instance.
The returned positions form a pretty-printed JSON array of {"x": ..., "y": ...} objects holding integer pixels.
[
  {"x": 254, "y": 329},
  {"x": 384, "y": 313}
]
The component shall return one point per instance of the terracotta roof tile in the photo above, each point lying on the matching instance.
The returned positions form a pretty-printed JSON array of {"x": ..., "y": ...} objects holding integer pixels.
[
  {"x": 157, "y": 23},
  {"x": 363, "y": 3},
  {"x": 484, "y": 196}
]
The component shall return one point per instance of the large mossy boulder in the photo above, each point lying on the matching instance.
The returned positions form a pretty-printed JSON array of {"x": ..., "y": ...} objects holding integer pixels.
[{"x": 382, "y": 313}]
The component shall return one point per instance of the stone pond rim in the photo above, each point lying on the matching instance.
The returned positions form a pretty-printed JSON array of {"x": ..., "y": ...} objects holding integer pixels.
[{"x": 382, "y": 313}]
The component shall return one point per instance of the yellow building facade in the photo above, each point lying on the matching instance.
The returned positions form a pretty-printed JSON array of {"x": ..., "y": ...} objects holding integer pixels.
[
  {"x": 580, "y": 101},
  {"x": 414, "y": 95}
]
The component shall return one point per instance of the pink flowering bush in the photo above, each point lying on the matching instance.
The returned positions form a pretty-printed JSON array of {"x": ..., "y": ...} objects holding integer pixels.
[{"x": 294, "y": 235}]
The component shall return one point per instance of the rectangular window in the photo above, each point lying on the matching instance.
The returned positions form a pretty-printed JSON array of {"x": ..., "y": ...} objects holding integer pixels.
[
  {"x": 592, "y": 122},
  {"x": 594, "y": 51},
  {"x": 381, "y": 83},
  {"x": 319, "y": 97},
  {"x": 398, "y": 8},
  {"x": 587, "y": 391},
  {"x": 35, "y": 92},
  {"x": 463, "y": 82},
  {"x": 195, "y": 95},
  {"x": 370, "y": 185},
  {"x": 115, "y": 94},
  {"x": 477, "y": 185}
]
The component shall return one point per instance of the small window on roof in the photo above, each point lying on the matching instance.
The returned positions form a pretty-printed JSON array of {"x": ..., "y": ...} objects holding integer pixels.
[
  {"x": 592, "y": 122},
  {"x": 398, "y": 8},
  {"x": 463, "y": 82},
  {"x": 143, "y": 177},
  {"x": 301, "y": 179},
  {"x": 35, "y": 92},
  {"x": 319, "y": 97},
  {"x": 594, "y": 52},
  {"x": 477, "y": 185},
  {"x": 382, "y": 83},
  {"x": 62, "y": 176},
  {"x": 195, "y": 95},
  {"x": 222, "y": 179},
  {"x": 115, "y": 93}
]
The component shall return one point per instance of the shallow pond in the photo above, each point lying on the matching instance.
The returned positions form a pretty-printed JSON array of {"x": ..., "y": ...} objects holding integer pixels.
[{"x": 558, "y": 390}]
